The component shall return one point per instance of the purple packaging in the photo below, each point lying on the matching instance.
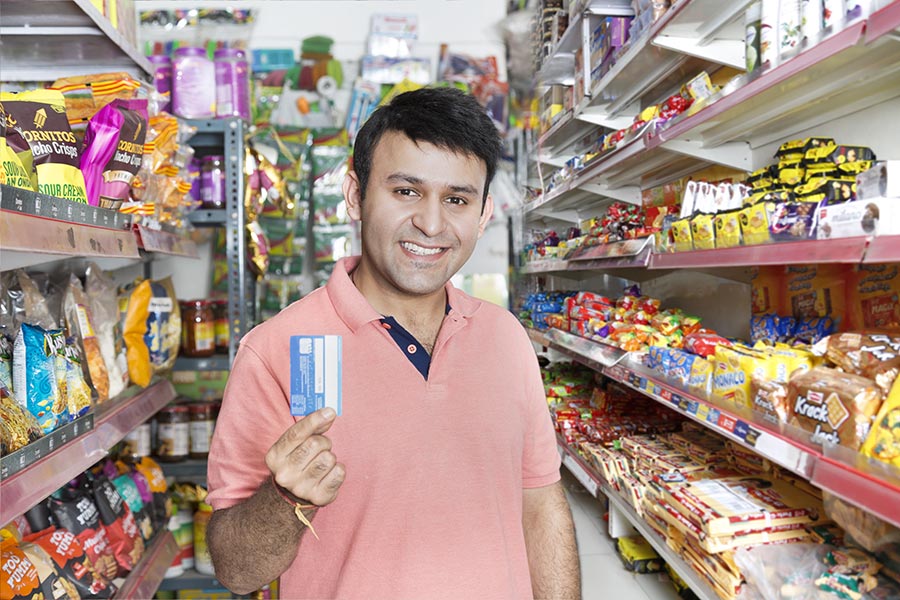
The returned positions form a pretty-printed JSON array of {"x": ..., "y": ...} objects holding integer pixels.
[
  {"x": 232, "y": 84},
  {"x": 162, "y": 78},
  {"x": 113, "y": 151},
  {"x": 193, "y": 84}
]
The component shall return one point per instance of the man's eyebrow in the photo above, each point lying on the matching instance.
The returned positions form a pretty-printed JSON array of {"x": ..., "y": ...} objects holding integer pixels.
[
  {"x": 464, "y": 189},
  {"x": 405, "y": 178}
]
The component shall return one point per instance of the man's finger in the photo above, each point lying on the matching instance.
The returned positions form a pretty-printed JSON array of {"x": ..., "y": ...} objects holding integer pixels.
[{"x": 317, "y": 422}]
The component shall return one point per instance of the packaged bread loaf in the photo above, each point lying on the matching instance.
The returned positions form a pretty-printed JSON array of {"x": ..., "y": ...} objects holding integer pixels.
[
  {"x": 875, "y": 356},
  {"x": 835, "y": 407}
]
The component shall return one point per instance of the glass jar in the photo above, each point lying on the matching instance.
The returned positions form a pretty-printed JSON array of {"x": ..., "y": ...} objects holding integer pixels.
[
  {"x": 232, "y": 83},
  {"x": 198, "y": 329},
  {"x": 223, "y": 330},
  {"x": 173, "y": 433},
  {"x": 202, "y": 424},
  {"x": 212, "y": 182},
  {"x": 162, "y": 78},
  {"x": 136, "y": 444},
  {"x": 193, "y": 84}
]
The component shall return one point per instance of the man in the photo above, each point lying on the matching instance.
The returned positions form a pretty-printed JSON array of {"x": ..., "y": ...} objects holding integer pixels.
[{"x": 448, "y": 480}]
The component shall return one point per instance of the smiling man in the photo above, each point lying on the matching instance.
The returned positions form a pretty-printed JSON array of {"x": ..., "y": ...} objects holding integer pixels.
[{"x": 440, "y": 478}]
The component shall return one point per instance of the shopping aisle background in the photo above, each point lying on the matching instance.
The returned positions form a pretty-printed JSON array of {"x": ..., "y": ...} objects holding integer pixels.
[{"x": 602, "y": 575}]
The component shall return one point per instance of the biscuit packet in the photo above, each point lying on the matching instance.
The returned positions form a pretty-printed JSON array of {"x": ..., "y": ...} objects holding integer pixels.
[
  {"x": 883, "y": 442},
  {"x": 41, "y": 117}
]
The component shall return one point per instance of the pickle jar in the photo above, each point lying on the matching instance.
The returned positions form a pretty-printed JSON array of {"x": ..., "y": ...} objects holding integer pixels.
[
  {"x": 173, "y": 433},
  {"x": 136, "y": 443},
  {"x": 198, "y": 329},
  {"x": 223, "y": 331},
  {"x": 202, "y": 424}
]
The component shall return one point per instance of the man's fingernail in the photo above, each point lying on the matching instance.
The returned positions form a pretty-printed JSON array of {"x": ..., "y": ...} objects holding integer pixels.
[{"x": 328, "y": 413}]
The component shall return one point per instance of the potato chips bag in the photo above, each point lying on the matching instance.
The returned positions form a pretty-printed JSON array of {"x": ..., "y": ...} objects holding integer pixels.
[
  {"x": 41, "y": 117},
  {"x": 152, "y": 330},
  {"x": 34, "y": 377},
  {"x": 12, "y": 171}
]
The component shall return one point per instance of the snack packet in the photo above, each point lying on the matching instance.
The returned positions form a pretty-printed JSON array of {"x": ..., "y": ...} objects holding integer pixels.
[
  {"x": 152, "y": 330},
  {"x": 56, "y": 340},
  {"x": 121, "y": 528},
  {"x": 20, "y": 426},
  {"x": 77, "y": 512},
  {"x": 883, "y": 442},
  {"x": 34, "y": 376},
  {"x": 102, "y": 295},
  {"x": 41, "y": 116},
  {"x": 72, "y": 562},
  {"x": 114, "y": 151},
  {"x": 22, "y": 579},
  {"x": 78, "y": 392},
  {"x": 80, "y": 325},
  {"x": 12, "y": 170}
]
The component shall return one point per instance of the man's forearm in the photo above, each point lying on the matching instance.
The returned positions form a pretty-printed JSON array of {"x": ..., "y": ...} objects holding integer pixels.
[
  {"x": 550, "y": 541},
  {"x": 254, "y": 542}
]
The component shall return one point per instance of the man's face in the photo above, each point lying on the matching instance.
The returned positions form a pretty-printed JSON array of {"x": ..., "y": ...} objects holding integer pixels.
[{"x": 421, "y": 216}]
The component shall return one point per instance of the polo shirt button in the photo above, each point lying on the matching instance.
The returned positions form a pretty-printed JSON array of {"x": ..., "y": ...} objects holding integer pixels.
[{"x": 411, "y": 349}]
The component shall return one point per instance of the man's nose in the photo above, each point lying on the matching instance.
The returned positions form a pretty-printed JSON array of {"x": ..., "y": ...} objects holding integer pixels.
[{"x": 429, "y": 216}]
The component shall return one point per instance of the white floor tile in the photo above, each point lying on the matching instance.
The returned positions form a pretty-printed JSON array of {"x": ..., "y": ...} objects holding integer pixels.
[
  {"x": 657, "y": 586},
  {"x": 603, "y": 578},
  {"x": 590, "y": 539}
]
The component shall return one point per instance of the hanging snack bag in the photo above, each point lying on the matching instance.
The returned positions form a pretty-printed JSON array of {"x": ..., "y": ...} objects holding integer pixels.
[
  {"x": 156, "y": 480},
  {"x": 6, "y": 350},
  {"x": 152, "y": 330},
  {"x": 121, "y": 528},
  {"x": 56, "y": 341},
  {"x": 34, "y": 376},
  {"x": 21, "y": 427},
  {"x": 128, "y": 489},
  {"x": 114, "y": 151},
  {"x": 104, "y": 302},
  {"x": 11, "y": 168},
  {"x": 79, "y": 514},
  {"x": 883, "y": 442},
  {"x": 72, "y": 562},
  {"x": 22, "y": 579},
  {"x": 80, "y": 325},
  {"x": 41, "y": 116},
  {"x": 51, "y": 578}
]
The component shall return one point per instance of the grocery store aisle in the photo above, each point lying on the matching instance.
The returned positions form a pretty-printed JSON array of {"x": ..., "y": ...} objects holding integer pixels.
[{"x": 602, "y": 574}]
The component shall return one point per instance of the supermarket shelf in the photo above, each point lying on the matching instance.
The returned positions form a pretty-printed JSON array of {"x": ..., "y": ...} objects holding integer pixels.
[
  {"x": 562, "y": 134},
  {"x": 165, "y": 242},
  {"x": 707, "y": 29},
  {"x": 595, "y": 355},
  {"x": 216, "y": 362},
  {"x": 47, "y": 39},
  {"x": 883, "y": 249},
  {"x": 144, "y": 579},
  {"x": 870, "y": 485},
  {"x": 883, "y": 22},
  {"x": 846, "y": 250},
  {"x": 837, "y": 77},
  {"x": 538, "y": 337},
  {"x": 597, "y": 487},
  {"x": 191, "y": 580},
  {"x": 112, "y": 420},
  {"x": 187, "y": 469},
  {"x": 208, "y": 217},
  {"x": 611, "y": 8},
  {"x": 571, "y": 38},
  {"x": 557, "y": 69},
  {"x": 788, "y": 453},
  {"x": 24, "y": 457},
  {"x": 545, "y": 266},
  {"x": 627, "y": 254}
]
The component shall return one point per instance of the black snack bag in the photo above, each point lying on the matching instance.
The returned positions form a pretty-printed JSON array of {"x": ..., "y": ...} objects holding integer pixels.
[
  {"x": 77, "y": 512},
  {"x": 124, "y": 534},
  {"x": 73, "y": 563}
]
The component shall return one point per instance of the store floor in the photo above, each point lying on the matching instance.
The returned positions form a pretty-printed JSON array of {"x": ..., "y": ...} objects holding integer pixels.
[{"x": 602, "y": 573}]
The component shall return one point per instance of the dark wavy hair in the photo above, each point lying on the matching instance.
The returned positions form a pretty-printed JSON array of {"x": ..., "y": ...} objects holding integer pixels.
[{"x": 445, "y": 117}]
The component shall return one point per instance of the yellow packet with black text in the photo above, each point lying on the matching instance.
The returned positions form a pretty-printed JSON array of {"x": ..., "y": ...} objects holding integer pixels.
[
  {"x": 40, "y": 116},
  {"x": 883, "y": 441}
]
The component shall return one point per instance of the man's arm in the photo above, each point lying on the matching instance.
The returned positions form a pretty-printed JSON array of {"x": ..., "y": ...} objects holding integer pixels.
[
  {"x": 253, "y": 542},
  {"x": 550, "y": 542}
]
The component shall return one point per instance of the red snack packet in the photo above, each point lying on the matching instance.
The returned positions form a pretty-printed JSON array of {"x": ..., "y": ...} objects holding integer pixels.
[
  {"x": 124, "y": 535},
  {"x": 704, "y": 344},
  {"x": 79, "y": 515},
  {"x": 72, "y": 562}
]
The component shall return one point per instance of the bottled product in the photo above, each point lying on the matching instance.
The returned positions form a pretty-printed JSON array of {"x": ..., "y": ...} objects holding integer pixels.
[
  {"x": 173, "y": 433},
  {"x": 201, "y": 426},
  {"x": 176, "y": 569},
  {"x": 223, "y": 331},
  {"x": 137, "y": 443},
  {"x": 162, "y": 77},
  {"x": 198, "y": 329},
  {"x": 193, "y": 84},
  {"x": 232, "y": 84},
  {"x": 202, "y": 560},
  {"x": 212, "y": 181},
  {"x": 184, "y": 533}
]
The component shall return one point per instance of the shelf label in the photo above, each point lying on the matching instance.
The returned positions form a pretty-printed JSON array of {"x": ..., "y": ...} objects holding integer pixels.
[
  {"x": 752, "y": 436},
  {"x": 693, "y": 406},
  {"x": 726, "y": 423},
  {"x": 741, "y": 429},
  {"x": 713, "y": 416},
  {"x": 702, "y": 412}
]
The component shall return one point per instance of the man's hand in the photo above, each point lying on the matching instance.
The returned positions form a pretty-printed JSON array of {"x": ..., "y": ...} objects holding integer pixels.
[{"x": 302, "y": 462}]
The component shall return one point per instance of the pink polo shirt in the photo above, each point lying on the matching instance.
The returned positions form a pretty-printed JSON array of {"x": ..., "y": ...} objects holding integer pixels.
[{"x": 432, "y": 503}]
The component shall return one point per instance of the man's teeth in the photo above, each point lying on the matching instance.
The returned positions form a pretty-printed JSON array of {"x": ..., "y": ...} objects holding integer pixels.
[{"x": 419, "y": 250}]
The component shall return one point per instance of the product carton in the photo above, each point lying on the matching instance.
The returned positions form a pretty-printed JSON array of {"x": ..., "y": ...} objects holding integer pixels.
[
  {"x": 875, "y": 216},
  {"x": 881, "y": 181}
]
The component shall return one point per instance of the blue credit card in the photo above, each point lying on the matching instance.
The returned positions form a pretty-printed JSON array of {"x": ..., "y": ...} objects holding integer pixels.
[{"x": 316, "y": 363}]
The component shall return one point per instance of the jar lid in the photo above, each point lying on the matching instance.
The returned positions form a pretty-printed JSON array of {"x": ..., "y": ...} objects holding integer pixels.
[
  {"x": 213, "y": 157},
  {"x": 195, "y": 303},
  {"x": 229, "y": 53},
  {"x": 190, "y": 51},
  {"x": 160, "y": 59}
]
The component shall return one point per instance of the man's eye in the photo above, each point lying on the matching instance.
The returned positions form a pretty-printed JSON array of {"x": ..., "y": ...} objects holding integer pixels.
[
  {"x": 406, "y": 192},
  {"x": 457, "y": 200}
]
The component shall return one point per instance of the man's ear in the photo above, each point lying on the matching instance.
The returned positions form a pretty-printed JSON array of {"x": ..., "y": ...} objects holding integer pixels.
[
  {"x": 486, "y": 213},
  {"x": 353, "y": 195}
]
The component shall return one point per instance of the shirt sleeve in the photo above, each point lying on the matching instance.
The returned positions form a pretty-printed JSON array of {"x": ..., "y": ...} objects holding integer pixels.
[
  {"x": 255, "y": 413},
  {"x": 540, "y": 459}
]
